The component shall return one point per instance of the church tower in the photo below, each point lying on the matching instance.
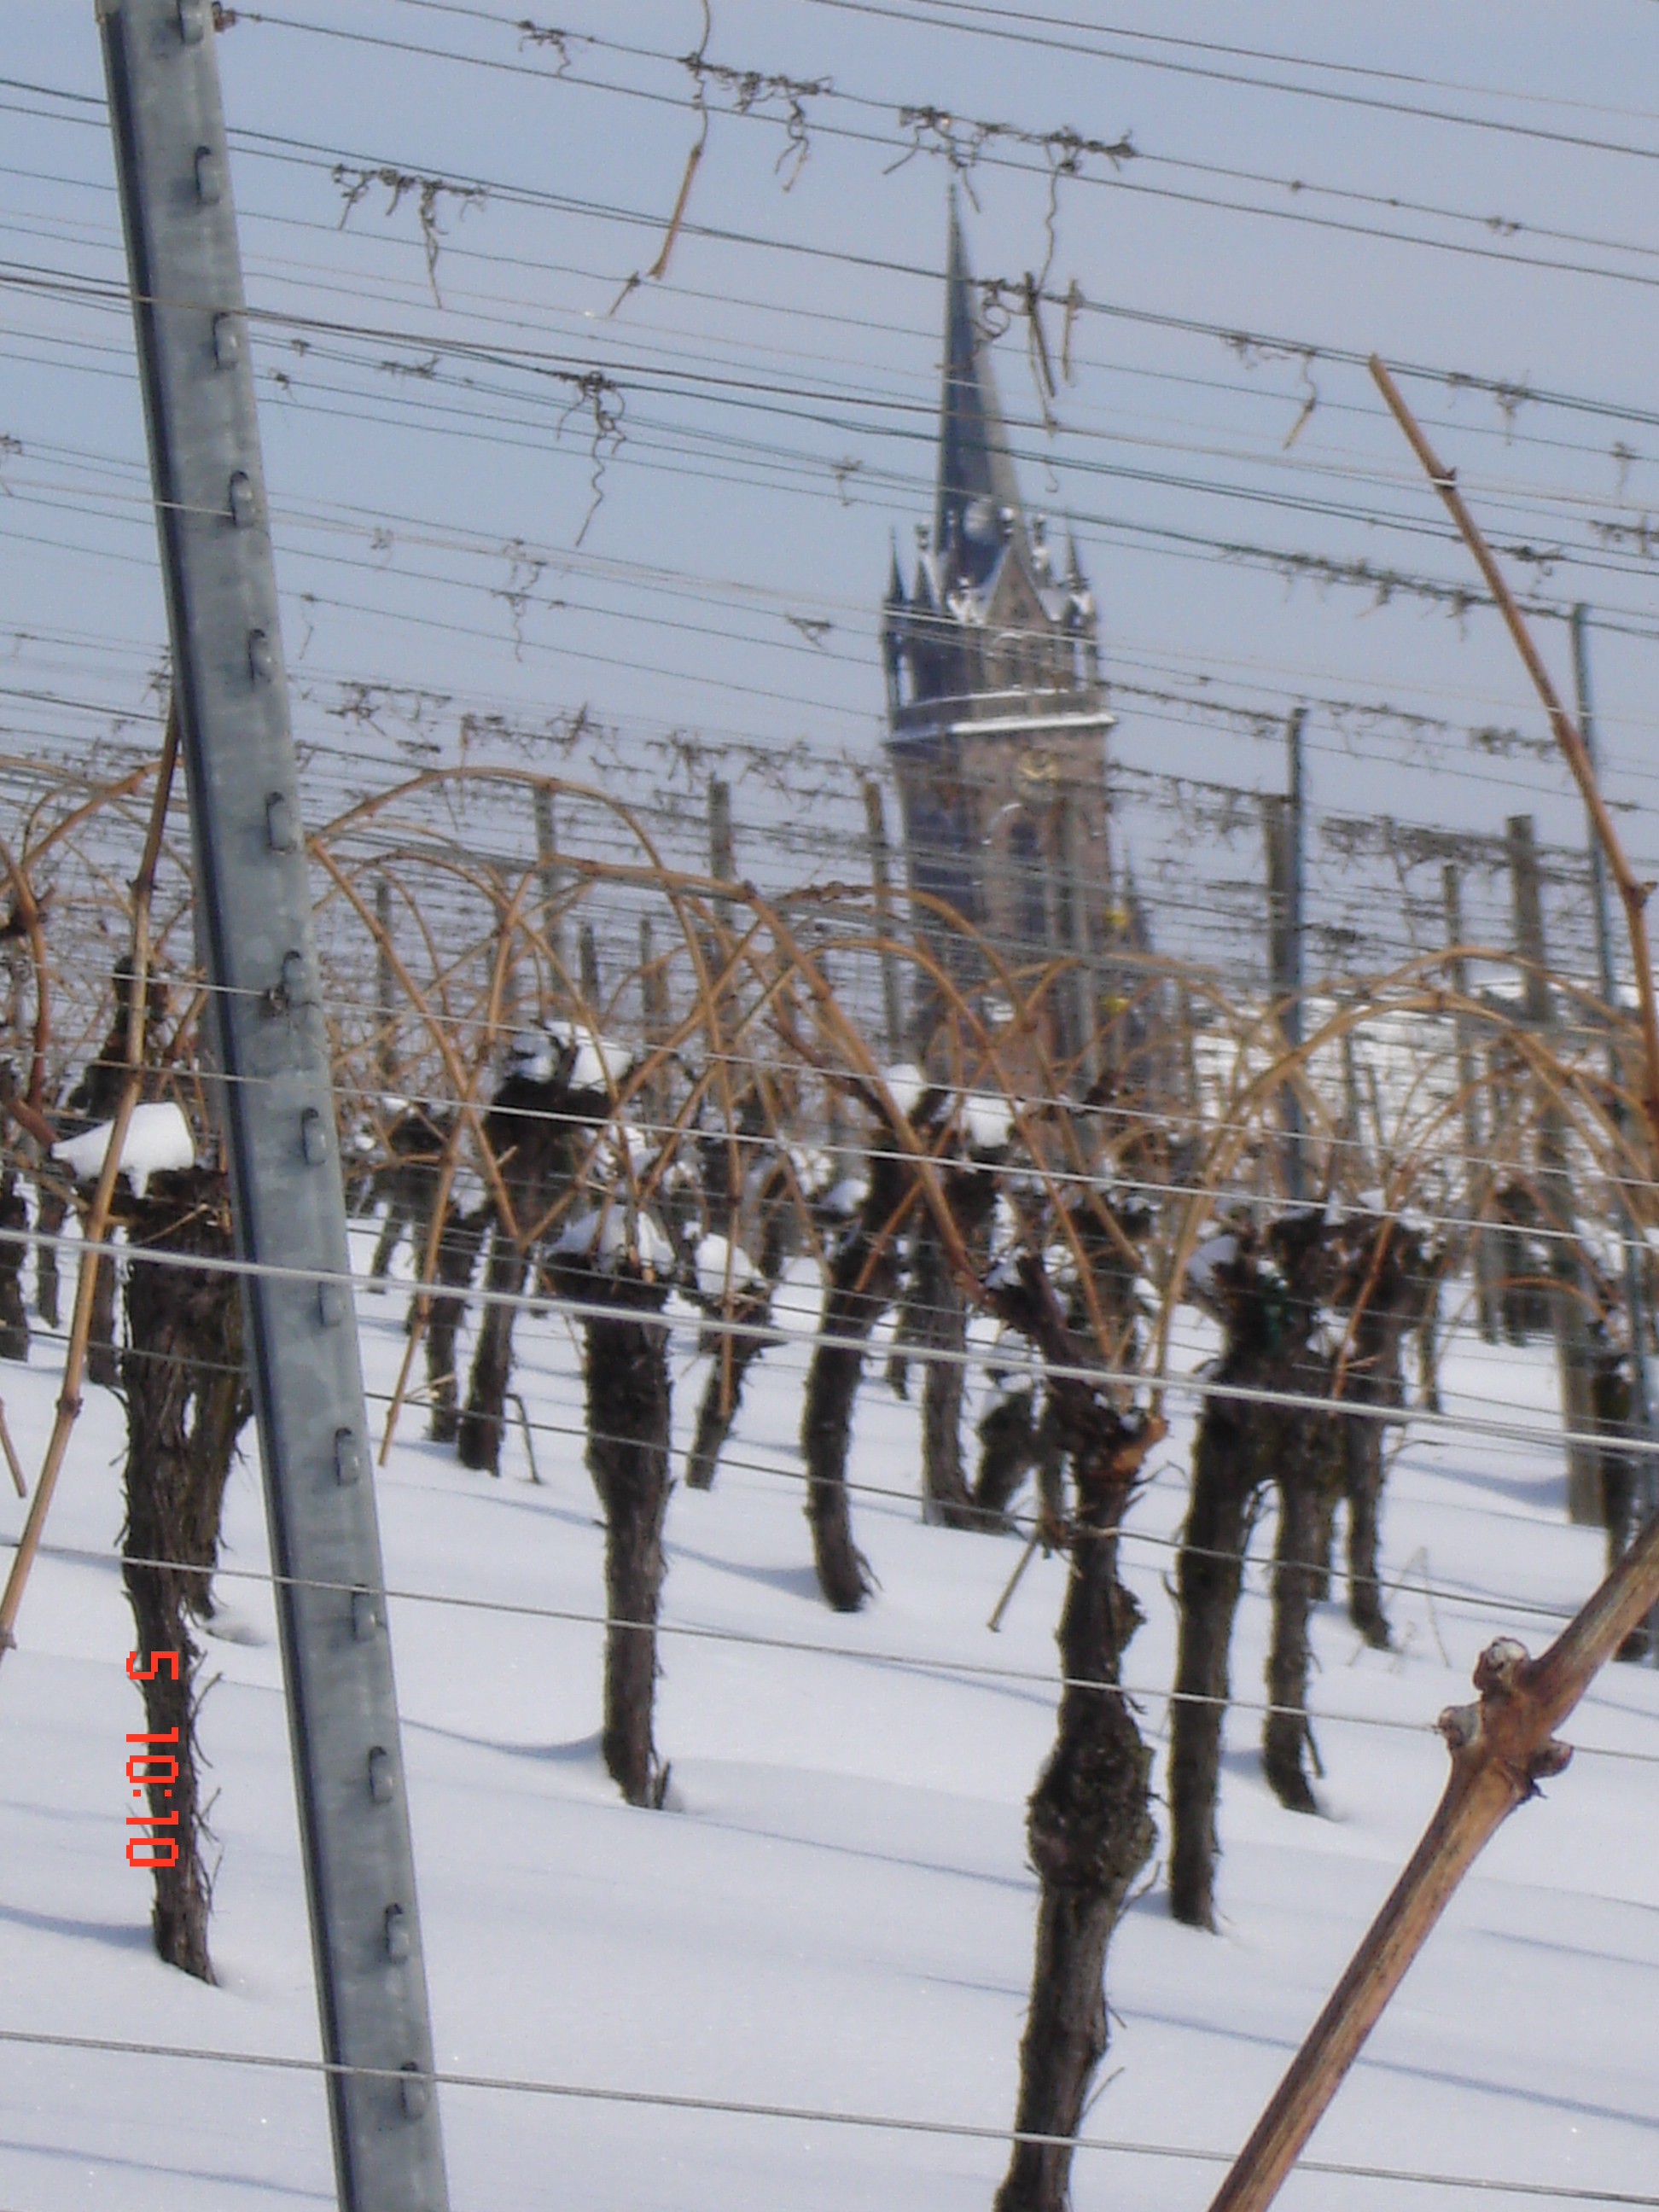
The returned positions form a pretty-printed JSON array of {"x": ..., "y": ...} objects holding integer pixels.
[{"x": 996, "y": 716}]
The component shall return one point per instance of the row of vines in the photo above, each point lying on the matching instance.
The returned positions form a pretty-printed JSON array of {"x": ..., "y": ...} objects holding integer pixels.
[{"x": 603, "y": 1086}]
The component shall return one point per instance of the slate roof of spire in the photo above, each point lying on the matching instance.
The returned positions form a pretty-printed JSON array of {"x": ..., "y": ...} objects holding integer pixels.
[{"x": 977, "y": 481}]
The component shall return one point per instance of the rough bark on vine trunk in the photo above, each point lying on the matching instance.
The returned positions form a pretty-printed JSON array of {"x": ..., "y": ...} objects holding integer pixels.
[
  {"x": 862, "y": 1281},
  {"x": 53, "y": 1212},
  {"x": 1091, "y": 1833},
  {"x": 187, "y": 1399},
  {"x": 183, "y": 1892},
  {"x": 629, "y": 1420},
  {"x": 939, "y": 1328},
  {"x": 826, "y": 1430},
  {"x": 942, "y": 1331},
  {"x": 1621, "y": 1475},
  {"x": 458, "y": 1255},
  {"x": 1008, "y": 1434},
  {"x": 479, "y": 1437},
  {"x": 95, "y": 1097},
  {"x": 103, "y": 1361},
  {"x": 1089, "y": 1825},
  {"x": 1226, "y": 1479},
  {"x": 408, "y": 1179},
  {"x": 14, "y": 1251},
  {"x": 1307, "y": 1473},
  {"x": 1270, "y": 1284},
  {"x": 532, "y": 1129},
  {"x": 1393, "y": 1284},
  {"x": 906, "y": 1336},
  {"x": 722, "y": 1397},
  {"x": 1018, "y": 1433},
  {"x": 1362, "y": 1446},
  {"x": 750, "y": 1300}
]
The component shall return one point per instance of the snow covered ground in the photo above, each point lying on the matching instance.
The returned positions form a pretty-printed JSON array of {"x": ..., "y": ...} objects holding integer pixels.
[{"x": 836, "y": 1913}]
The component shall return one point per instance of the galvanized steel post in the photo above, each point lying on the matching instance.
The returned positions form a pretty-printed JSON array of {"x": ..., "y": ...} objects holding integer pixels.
[
  {"x": 254, "y": 908},
  {"x": 1285, "y": 828}
]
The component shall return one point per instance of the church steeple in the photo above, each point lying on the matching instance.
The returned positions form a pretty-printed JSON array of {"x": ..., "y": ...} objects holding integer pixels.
[
  {"x": 997, "y": 724},
  {"x": 977, "y": 489},
  {"x": 990, "y": 627},
  {"x": 996, "y": 733}
]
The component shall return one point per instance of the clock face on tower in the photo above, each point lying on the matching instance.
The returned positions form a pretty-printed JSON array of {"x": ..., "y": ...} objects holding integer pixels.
[{"x": 981, "y": 522}]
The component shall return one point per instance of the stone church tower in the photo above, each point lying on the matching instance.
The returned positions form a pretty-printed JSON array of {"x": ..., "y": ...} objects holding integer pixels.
[{"x": 997, "y": 719}]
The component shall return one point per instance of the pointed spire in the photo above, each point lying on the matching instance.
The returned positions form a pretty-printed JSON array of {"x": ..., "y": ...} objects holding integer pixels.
[
  {"x": 976, "y": 482},
  {"x": 895, "y": 581}
]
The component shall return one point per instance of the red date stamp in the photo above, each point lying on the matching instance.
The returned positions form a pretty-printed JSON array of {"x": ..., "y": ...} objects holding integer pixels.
[{"x": 155, "y": 1769}]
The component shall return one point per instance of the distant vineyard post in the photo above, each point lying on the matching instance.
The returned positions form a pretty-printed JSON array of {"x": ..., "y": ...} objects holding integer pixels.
[{"x": 1569, "y": 1311}]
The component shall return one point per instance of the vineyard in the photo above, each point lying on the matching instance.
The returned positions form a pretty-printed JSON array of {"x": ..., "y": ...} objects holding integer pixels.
[
  {"x": 935, "y": 1345},
  {"x": 597, "y": 1093}
]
